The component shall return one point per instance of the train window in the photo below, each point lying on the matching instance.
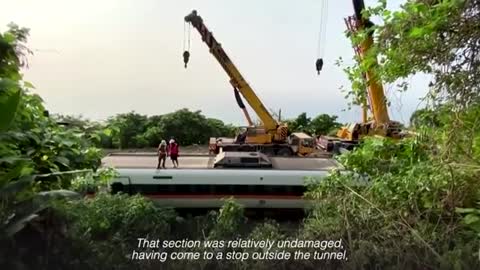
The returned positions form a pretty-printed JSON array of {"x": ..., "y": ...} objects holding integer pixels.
[
  {"x": 259, "y": 189},
  {"x": 242, "y": 189},
  {"x": 298, "y": 190},
  {"x": 221, "y": 189},
  {"x": 182, "y": 188},
  {"x": 162, "y": 188},
  {"x": 278, "y": 189},
  {"x": 202, "y": 189},
  {"x": 268, "y": 189},
  {"x": 232, "y": 189}
]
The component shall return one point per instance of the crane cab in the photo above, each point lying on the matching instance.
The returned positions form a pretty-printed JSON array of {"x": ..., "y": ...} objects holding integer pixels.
[{"x": 301, "y": 143}]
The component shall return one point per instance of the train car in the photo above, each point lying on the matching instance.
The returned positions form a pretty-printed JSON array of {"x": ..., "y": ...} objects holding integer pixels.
[{"x": 200, "y": 183}]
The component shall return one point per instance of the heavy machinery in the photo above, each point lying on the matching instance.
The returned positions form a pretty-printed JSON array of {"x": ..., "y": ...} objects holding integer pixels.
[
  {"x": 272, "y": 137},
  {"x": 380, "y": 123}
]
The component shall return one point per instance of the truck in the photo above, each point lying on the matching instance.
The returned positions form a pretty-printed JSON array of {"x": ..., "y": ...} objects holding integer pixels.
[{"x": 272, "y": 137}]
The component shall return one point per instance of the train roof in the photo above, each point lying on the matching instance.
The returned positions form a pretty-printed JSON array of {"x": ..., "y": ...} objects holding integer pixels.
[
  {"x": 301, "y": 135},
  {"x": 119, "y": 160}
]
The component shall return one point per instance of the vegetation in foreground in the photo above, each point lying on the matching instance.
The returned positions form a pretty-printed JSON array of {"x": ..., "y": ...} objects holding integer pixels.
[{"x": 419, "y": 208}]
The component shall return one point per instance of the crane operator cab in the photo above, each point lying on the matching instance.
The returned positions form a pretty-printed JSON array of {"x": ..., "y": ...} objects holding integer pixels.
[
  {"x": 301, "y": 143},
  {"x": 241, "y": 136}
]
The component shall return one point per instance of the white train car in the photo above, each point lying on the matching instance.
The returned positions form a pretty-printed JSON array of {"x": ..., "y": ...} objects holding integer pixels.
[{"x": 198, "y": 185}]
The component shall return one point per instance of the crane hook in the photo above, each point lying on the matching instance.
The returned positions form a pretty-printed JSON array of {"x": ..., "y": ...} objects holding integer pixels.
[
  {"x": 186, "y": 56},
  {"x": 319, "y": 65}
]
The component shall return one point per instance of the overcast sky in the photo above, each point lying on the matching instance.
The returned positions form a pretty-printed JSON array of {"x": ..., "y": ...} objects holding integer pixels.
[{"x": 99, "y": 58}]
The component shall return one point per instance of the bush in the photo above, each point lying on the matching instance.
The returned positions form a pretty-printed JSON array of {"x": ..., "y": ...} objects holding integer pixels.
[
  {"x": 108, "y": 227},
  {"x": 405, "y": 217}
]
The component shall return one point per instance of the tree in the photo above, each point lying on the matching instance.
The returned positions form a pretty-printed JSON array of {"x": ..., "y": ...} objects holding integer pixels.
[
  {"x": 186, "y": 126},
  {"x": 31, "y": 143},
  {"x": 129, "y": 125},
  {"x": 219, "y": 129},
  {"x": 433, "y": 37},
  {"x": 133, "y": 130},
  {"x": 299, "y": 124},
  {"x": 153, "y": 136},
  {"x": 323, "y": 124},
  {"x": 436, "y": 38},
  {"x": 302, "y": 121}
]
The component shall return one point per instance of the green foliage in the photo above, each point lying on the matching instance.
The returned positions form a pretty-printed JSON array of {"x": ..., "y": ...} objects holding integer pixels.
[
  {"x": 129, "y": 125},
  {"x": 418, "y": 189},
  {"x": 188, "y": 127},
  {"x": 105, "y": 215},
  {"x": 103, "y": 231},
  {"x": 432, "y": 37},
  {"x": 133, "y": 130},
  {"x": 93, "y": 182},
  {"x": 13, "y": 52},
  {"x": 321, "y": 124},
  {"x": 472, "y": 218},
  {"x": 411, "y": 204},
  {"x": 229, "y": 221},
  {"x": 387, "y": 155},
  {"x": 424, "y": 118},
  {"x": 28, "y": 139},
  {"x": 36, "y": 155},
  {"x": 9, "y": 101},
  {"x": 20, "y": 205},
  {"x": 408, "y": 204}
]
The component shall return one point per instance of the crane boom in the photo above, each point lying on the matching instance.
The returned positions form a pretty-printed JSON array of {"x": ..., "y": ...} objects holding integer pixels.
[
  {"x": 375, "y": 87},
  {"x": 349, "y": 136},
  {"x": 236, "y": 79}
]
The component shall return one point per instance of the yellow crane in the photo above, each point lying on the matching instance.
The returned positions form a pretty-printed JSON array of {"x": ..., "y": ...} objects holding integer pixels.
[
  {"x": 380, "y": 124},
  {"x": 272, "y": 137}
]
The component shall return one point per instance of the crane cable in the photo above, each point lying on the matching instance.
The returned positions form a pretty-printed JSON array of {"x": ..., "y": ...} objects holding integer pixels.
[
  {"x": 321, "y": 35},
  {"x": 186, "y": 49}
]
